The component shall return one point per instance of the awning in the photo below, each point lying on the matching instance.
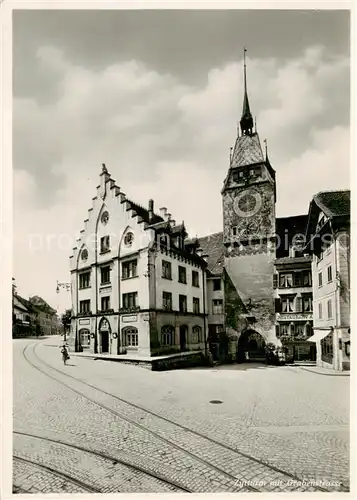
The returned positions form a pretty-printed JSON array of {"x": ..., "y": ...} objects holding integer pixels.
[{"x": 319, "y": 335}]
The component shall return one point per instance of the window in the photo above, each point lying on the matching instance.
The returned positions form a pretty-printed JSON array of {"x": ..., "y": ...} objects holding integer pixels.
[
  {"x": 234, "y": 230},
  {"x": 299, "y": 329},
  {"x": 85, "y": 338},
  {"x": 182, "y": 303},
  {"x": 105, "y": 303},
  {"x": 258, "y": 171},
  {"x": 297, "y": 279},
  {"x": 130, "y": 336},
  {"x": 252, "y": 172},
  {"x": 216, "y": 285},
  {"x": 196, "y": 305},
  {"x": 84, "y": 306},
  {"x": 196, "y": 334},
  {"x": 104, "y": 244},
  {"x": 320, "y": 279},
  {"x": 286, "y": 280},
  {"x": 130, "y": 300},
  {"x": 182, "y": 274},
  {"x": 105, "y": 275},
  {"x": 166, "y": 270},
  {"x": 329, "y": 273},
  {"x": 298, "y": 304},
  {"x": 167, "y": 335},
  {"x": 129, "y": 269},
  {"x": 217, "y": 306},
  {"x": 195, "y": 279},
  {"x": 307, "y": 303},
  {"x": 84, "y": 280},
  {"x": 329, "y": 309},
  {"x": 167, "y": 301},
  {"x": 327, "y": 348},
  {"x": 284, "y": 328},
  {"x": 128, "y": 239},
  {"x": 320, "y": 310},
  {"x": 287, "y": 304},
  {"x": 306, "y": 278}
]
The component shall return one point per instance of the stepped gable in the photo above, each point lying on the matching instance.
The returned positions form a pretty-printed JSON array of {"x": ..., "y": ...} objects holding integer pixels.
[
  {"x": 144, "y": 213},
  {"x": 212, "y": 247}
]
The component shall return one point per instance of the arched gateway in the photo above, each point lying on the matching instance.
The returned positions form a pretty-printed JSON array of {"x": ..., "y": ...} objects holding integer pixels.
[{"x": 251, "y": 346}]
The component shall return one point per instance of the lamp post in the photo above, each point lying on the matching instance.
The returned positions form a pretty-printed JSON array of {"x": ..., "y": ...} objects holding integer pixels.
[{"x": 67, "y": 287}]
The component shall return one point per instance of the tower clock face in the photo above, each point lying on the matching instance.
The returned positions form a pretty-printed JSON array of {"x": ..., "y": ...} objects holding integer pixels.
[{"x": 247, "y": 203}]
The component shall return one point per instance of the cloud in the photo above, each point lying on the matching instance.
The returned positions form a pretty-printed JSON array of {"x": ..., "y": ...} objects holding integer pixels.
[{"x": 162, "y": 138}]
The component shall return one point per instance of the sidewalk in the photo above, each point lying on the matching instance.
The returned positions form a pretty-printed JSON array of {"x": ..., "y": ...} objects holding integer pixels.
[
  {"x": 170, "y": 361},
  {"x": 325, "y": 371}
]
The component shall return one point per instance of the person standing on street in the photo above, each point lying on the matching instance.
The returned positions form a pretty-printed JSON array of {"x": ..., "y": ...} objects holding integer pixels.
[{"x": 65, "y": 354}]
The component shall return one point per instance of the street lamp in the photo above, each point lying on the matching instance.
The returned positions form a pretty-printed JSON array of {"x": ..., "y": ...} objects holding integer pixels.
[{"x": 67, "y": 287}]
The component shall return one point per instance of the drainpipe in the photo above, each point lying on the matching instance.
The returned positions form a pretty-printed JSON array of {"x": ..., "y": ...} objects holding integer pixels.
[
  {"x": 337, "y": 305},
  {"x": 119, "y": 341},
  {"x": 96, "y": 290},
  {"x": 204, "y": 311}
]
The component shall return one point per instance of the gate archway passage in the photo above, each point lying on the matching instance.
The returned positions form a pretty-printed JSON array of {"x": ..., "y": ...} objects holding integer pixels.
[{"x": 251, "y": 346}]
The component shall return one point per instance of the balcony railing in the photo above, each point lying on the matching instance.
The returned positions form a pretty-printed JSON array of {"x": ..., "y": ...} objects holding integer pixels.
[
  {"x": 105, "y": 311},
  {"x": 131, "y": 309},
  {"x": 85, "y": 313}
]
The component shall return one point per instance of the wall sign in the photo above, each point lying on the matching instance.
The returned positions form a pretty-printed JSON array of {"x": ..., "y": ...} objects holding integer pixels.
[
  {"x": 292, "y": 317},
  {"x": 129, "y": 319},
  {"x": 84, "y": 321}
]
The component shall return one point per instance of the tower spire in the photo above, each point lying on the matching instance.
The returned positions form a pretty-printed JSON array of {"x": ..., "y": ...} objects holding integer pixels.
[{"x": 246, "y": 122}]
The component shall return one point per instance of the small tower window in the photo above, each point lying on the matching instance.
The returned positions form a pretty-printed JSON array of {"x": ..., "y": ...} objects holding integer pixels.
[{"x": 234, "y": 231}]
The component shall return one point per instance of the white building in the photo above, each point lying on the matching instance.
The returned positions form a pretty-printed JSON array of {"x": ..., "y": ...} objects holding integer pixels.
[
  {"x": 138, "y": 284},
  {"x": 328, "y": 234}
]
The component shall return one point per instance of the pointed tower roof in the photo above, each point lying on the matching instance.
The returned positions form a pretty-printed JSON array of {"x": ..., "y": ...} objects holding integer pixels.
[{"x": 246, "y": 121}]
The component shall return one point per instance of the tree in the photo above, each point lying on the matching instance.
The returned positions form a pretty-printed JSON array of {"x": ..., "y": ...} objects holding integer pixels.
[{"x": 66, "y": 321}]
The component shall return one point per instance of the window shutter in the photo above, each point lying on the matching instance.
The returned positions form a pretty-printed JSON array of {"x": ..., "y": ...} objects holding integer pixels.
[
  {"x": 277, "y": 305},
  {"x": 275, "y": 281},
  {"x": 298, "y": 304}
]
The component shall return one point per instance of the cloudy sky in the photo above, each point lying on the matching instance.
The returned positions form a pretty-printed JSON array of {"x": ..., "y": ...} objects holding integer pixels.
[{"x": 156, "y": 95}]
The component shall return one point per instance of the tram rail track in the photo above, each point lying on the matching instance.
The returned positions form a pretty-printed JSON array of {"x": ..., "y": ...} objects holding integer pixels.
[
  {"x": 208, "y": 440},
  {"x": 112, "y": 459},
  {"x": 87, "y": 487}
]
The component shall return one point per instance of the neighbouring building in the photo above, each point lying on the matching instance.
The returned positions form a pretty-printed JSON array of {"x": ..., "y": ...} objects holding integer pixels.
[
  {"x": 213, "y": 251},
  {"x": 293, "y": 289},
  {"x": 328, "y": 241},
  {"x": 33, "y": 317},
  {"x": 46, "y": 316},
  {"x": 141, "y": 286}
]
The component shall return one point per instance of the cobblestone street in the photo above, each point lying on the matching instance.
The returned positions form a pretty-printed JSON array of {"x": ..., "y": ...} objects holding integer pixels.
[{"x": 99, "y": 426}]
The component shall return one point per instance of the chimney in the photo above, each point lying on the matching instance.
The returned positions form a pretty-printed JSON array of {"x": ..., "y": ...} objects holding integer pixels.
[
  {"x": 151, "y": 209},
  {"x": 163, "y": 211}
]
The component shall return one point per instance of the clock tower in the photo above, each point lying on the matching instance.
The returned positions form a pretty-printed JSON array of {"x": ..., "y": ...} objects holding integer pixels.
[{"x": 249, "y": 196}]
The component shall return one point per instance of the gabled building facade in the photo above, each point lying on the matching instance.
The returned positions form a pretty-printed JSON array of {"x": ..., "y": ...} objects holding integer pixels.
[
  {"x": 138, "y": 283},
  {"x": 293, "y": 289},
  {"x": 328, "y": 241}
]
